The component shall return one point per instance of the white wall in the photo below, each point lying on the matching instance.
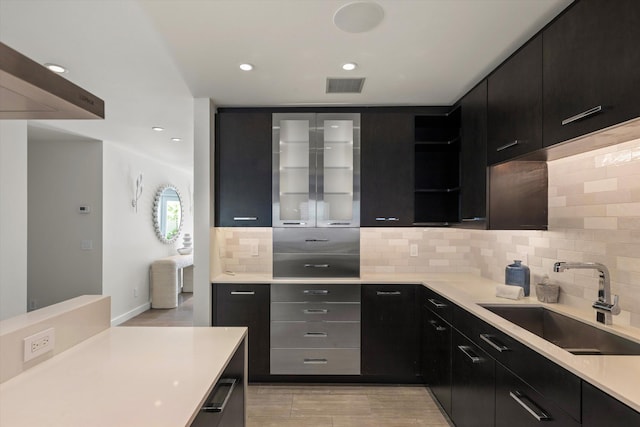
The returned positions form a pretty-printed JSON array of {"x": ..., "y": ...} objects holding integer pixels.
[
  {"x": 13, "y": 218},
  {"x": 63, "y": 175},
  {"x": 130, "y": 243}
]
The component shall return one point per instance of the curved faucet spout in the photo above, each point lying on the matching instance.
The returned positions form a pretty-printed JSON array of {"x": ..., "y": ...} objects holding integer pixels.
[{"x": 604, "y": 305}]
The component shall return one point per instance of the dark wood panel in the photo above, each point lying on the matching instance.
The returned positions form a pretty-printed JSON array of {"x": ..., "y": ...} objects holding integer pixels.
[
  {"x": 243, "y": 169},
  {"x": 387, "y": 169},
  {"x": 591, "y": 59},
  {"x": 599, "y": 409},
  {"x": 436, "y": 357}
]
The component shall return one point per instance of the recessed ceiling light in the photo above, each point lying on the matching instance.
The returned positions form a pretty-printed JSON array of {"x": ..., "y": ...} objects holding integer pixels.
[
  {"x": 349, "y": 66},
  {"x": 358, "y": 17},
  {"x": 157, "y": 128},
  {"x": 246, "y": 67},
  {"x": 176, "y": 139},
  {"x": 56, "y": 68}
]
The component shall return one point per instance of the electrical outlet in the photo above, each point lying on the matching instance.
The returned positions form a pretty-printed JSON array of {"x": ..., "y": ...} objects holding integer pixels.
[
  {"x": 135, "y": 292},
  {"x": 413, "y": 250},
  {"x": 254, "y": 249},
  {"x": 38, "y": 344},
  {"x": 33, "y": 304}
]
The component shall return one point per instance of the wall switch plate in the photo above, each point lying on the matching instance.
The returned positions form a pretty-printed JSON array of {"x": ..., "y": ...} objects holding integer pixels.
[
  {"x": 254, "y": 249},
  {"x": 413, "y": 250},
  {"x": 86, "y": 245},
  {"x": 38, "y": 344}
]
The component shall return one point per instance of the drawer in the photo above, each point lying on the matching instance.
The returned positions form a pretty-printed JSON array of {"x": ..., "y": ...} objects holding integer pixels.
[
  {"x": 315, "y": 311},
  {"x": 315, "y": 293},
  {"x": 317, "y": 265},
  {"x": 340, "y": 361},
  {"x": 437, "y": 303},
  {"x": 320, "y": 240},
  {"x": 315, "y": 334}
]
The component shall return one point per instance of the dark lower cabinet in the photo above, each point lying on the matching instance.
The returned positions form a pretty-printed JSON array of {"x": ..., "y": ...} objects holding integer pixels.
[
  {"x": 590, "y": 68},
  {"x": 247, "y": 305},
  {"x": 599, "y": 409},
  {"x": 517, "y": 404},
  {"x": 435, "y": 363},
  {"x": 389, "y": 332},
  {"x": 473, "y": 385}
]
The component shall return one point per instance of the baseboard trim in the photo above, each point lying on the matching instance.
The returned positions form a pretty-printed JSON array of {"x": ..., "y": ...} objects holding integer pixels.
[{"x": 130, "y": 314}]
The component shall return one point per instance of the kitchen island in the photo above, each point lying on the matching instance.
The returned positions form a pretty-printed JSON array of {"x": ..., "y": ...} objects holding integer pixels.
[{"x": 124, "y": 376}]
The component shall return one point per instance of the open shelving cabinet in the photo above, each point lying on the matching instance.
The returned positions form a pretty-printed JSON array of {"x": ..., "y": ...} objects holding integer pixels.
[{"x": 437, "y": 169}]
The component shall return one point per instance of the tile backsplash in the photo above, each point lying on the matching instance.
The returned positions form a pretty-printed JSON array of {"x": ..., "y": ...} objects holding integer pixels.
[{"x": 594, "y": 215}]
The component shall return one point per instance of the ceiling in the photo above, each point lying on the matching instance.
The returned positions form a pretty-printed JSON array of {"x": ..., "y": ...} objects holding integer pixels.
[{"x": 148, "y": 59}]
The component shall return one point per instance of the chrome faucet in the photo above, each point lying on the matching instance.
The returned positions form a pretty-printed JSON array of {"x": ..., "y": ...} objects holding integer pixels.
[{"x": 604, "y": 307}]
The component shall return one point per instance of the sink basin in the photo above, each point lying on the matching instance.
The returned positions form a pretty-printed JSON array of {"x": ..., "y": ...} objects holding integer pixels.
[{"x": 572, "y": 335}]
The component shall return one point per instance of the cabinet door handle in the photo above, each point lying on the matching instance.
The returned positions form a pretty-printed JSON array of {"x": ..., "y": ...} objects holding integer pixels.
[
  {"x": 245, "y": 218},
  {"x": 294, "y": 223},
  {"x": 243, "y": 293},
  {"x": 315, "y": 361},
  {"x": 468, "y": 351},
  {"x": 436, "y": 326},
  {"x": 316, "y": 266},
  {"x": 388, "y": 293},
  {"x": 437, "y": 303},
  {"x": 493, "y": 342},
  {"x": 315, "y": 335},
  {"x": 381, "y": 218},
  {"x": 509, "y": 145},
  {"x": 530, "y": 406},
  {"x": 315, "y": 311},
  {"x": 339, "y": 223},
  {"x": 217, "y": 406},
  {"x": 315, "y": 240},
  {"x": 476, "y": 218},
  {"x": 315, "y": 291},
  {"x": 583, "y": 115},
  {"x": 393, "y": 218}
]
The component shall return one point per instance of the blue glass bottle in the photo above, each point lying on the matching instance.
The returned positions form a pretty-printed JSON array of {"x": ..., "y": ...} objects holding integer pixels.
[{"x": 518, "y": 274}]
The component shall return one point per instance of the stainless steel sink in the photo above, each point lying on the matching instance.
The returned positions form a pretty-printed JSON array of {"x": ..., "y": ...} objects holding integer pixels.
[{"x": 572, "y": 335}]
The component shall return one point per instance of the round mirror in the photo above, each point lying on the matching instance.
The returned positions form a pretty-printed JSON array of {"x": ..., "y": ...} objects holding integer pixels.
[{"x": 167, "y": 214}]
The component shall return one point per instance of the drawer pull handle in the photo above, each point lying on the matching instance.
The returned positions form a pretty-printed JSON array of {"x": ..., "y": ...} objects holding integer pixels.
[
  {"x": 315, "y": 311},
  {"x": 583, "y": 115},
  {"x": 381, "y": 218},
  {"x": 477, "y": 218},
  {"x": 316, "y": 266},
  {"x": 468, "y": 351},
  {"x": 493, "y": 342},
  {"x": 316, "y": 291},
  {"x": 437, "y": 303},
  {"x": 294, "y": 223},
  {"x": 509, "y": 145},
  {"x": 245, "y": 218},
  {"x": 391, "y": 218},
  {"x": 215, "y": 404},
  {"x": 315, "y": 240},
  {"x": 436, "y": 326},
  {"x": 315, "y": 335},
  {"x": 315, "y": 361},
  {"x": 339, "y": 223},
  {"x": 387, "y": 293},
  {"x": 243, "y": 293},
  {"x": 530, "y": 406}
]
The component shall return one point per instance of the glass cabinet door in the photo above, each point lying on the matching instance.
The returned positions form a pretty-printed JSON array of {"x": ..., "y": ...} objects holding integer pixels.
[
  {"x": 294, "y": 169},
  {"x": 338, "y": 170}
]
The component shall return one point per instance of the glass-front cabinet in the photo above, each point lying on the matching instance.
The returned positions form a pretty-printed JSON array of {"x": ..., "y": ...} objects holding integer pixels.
[{"x": 316, "y": 167}]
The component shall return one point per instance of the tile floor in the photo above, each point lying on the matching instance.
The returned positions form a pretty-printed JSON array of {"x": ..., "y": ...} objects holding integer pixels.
[{"x": 318, "y": 405}]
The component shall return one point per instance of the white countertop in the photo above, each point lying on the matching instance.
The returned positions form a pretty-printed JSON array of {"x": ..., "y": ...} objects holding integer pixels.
[
  {"x": 124, "y": 376},
  {"x": 617, "y": 375}
]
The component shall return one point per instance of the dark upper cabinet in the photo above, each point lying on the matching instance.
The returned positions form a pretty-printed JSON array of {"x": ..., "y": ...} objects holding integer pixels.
[
  {"x": 591, "y": 64},
  {"x": 599, "y": 409},
  {"x": 243, "y": 169},
  {"x": 515, "y": 105},
  {"x": 387, "y": 176},
  {"x": 389, "y": 342},
  {"x": 247, "y": 305},
  {"x": 473, "y": 154}
]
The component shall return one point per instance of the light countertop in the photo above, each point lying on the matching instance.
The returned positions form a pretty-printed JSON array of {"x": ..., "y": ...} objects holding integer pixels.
[
  {"x": 617, "y": 375},
  {"x": 124, "y": 376}
]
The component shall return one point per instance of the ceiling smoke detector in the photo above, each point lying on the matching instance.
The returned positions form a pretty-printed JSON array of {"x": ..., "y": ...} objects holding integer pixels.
[
  {"x": 344, "y": 85},
  {"x": 358, "y": 17}
]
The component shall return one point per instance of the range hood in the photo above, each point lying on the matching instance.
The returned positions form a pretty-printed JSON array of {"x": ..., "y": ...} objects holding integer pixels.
[{"x": 29, "y": 91}]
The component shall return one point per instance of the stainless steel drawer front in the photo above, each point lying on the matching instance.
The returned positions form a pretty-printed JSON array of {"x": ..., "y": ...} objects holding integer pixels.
[
  {"x": 315, "y": 265},
  {"x": 315, "y": 335},
  {"x": 307, "y": 311},
  {"x": 315, "y": 293},
  {"x": 337, "y": 361}
]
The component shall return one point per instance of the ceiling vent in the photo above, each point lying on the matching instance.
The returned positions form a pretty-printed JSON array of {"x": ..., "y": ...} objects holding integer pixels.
[{"x": 340, "y": 85}]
